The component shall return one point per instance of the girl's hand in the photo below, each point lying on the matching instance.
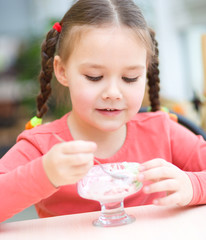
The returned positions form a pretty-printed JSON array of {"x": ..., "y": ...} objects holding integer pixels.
[
  {"x": 166, "y": 177},
  {"x": 67, "y": 162}
]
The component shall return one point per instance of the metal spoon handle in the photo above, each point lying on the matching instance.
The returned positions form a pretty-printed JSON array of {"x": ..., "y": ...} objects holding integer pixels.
[{"x": 58, "y": 137}]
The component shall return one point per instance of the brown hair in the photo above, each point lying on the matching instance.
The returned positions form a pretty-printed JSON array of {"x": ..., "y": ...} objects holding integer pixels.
[{"x": 96, "y": 13}]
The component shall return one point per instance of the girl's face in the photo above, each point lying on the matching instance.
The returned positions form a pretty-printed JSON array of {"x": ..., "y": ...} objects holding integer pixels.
[{"x": 106, "y": 76}]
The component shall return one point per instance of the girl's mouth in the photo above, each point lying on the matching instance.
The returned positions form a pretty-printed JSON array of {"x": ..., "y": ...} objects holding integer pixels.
[{"x": 109, "y": 111}]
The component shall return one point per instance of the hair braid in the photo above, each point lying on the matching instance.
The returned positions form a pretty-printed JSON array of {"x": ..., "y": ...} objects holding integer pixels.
[
  {"x": 153, "y": 76},
  {"x": 45, "y": 76}
]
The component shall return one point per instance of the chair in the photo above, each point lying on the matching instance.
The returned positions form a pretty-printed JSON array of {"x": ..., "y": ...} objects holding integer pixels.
[
  {"x": 185, "y": 122},
  {"x": 4, "y": 150}
]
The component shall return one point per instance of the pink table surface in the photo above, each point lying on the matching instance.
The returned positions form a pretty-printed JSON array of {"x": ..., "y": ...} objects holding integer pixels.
[{"x": 152, "y": 222}]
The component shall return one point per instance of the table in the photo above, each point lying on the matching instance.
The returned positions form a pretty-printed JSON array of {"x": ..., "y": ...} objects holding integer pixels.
[{"x": 152, "y": 222}]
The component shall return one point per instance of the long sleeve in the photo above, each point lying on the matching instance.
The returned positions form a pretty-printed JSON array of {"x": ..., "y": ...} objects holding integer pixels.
[
  {"x": 189, "y": 153},
  {"x": 23, "y": 182},
  {"x": 198, "y": 180}
]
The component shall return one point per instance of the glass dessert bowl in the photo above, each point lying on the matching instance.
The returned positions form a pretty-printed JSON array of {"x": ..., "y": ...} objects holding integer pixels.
[{"x": 111, "y": 192}]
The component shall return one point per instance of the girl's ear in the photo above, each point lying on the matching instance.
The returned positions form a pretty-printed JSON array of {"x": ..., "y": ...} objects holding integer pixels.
[{"x": 59, "y": 70}]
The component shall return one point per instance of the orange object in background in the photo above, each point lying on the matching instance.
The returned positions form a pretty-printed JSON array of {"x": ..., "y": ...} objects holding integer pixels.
[{"x": 178, "y": 109}]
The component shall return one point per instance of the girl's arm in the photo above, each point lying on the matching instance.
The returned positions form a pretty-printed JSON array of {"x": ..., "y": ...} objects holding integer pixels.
[
  {"x": 30, "y": 173},
  {"x": 23, "y": 182},
  {"x": 189, "y": 154},
  {"x": 184, "y": 179}
]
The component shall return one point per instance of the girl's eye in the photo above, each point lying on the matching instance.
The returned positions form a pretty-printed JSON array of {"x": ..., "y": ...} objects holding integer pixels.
[
  {"x": 130, "y": 80},
  {"x": 94, "y": 78}
]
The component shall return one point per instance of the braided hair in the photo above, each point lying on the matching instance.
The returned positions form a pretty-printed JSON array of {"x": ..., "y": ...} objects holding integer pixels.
[
  {"x": 45, "y": 76},
  {"x": 153, "y": 76},
  {"x": 96, "y": 13}
]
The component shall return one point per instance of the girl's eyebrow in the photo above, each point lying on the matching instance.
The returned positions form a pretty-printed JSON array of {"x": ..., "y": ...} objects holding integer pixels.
[
  {"x": 135, "y": 67},
  {"x": 98, "y": 66},
  {"x": 92, "y": 65}
]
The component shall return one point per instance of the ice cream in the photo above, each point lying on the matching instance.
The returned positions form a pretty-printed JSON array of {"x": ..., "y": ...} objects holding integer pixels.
[{"x": 99, "y": 186}]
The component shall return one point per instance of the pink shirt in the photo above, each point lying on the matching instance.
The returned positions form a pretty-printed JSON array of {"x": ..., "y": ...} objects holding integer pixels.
[{"x": 149, "y": 135}]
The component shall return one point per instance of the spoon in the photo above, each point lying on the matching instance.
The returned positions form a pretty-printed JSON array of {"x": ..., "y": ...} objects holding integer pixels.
[{"x": 113, "y": 175}]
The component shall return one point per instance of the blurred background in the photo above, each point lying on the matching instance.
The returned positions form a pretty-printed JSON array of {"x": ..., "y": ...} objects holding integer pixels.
[{"x": 180, "y": 27}]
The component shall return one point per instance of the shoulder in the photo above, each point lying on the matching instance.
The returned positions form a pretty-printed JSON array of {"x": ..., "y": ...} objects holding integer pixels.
[
  {"x": 160, "y": 123},
  {"x": 146, "y": 118},
  {"x": 58, "y": 125},
  {"x": 149, "y": 125},
  {"x": 41, "y": 136}
]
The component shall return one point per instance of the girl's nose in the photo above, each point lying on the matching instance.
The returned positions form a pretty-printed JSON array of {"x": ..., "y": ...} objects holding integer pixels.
[{"x": 112, "y": 91}]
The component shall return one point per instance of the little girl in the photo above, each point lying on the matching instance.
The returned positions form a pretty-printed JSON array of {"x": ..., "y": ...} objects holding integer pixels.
[{"x": 103, "y": 52}]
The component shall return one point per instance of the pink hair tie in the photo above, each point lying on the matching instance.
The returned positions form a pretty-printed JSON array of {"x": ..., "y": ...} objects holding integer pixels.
[{"x": 57, "y": 27}]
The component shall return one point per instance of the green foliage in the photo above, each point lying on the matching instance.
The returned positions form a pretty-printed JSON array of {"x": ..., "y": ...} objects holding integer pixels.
[
  {"x": 28, "y": 61},
  {"x": 28, "y": 66}
]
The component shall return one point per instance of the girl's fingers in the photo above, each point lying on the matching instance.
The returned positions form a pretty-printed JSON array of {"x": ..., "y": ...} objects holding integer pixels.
[
  {"x": 156, "y": 174},
  {"x": 79, "y": 159},
  {"x": 156, "y": 170},
  {"x": 67, "y": 162},
  {"x": 165, "y": 177},
  {"x": 169, "y": 185},
  {"x": 81, "y": 170},
  {"x": 157, "y": 162},
  {"x": 171, "y": 199},
  {"x": 78, "y": 147},
  {"x": 76, "y": 170}
]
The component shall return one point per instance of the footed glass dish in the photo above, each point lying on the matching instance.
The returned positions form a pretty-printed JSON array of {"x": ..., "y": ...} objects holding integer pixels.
[{"x": 110, "y": 192}]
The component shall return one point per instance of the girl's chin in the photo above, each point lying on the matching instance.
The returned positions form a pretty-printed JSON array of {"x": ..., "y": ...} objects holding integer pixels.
[{"x": 110, "y": 128}]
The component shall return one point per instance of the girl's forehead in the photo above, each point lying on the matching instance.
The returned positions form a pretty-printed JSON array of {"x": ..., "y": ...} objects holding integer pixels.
[
  {"x": 103, "y": 36},
  {"x": 108, "y": 45},
  {"x": 107, "y": 31},
  {"x": 89, "y": 39}
]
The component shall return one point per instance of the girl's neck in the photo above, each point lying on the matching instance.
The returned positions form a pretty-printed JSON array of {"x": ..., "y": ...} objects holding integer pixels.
[{"x": 108, "y": 142}]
